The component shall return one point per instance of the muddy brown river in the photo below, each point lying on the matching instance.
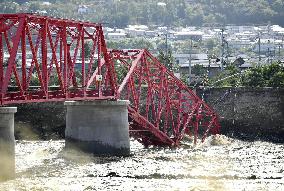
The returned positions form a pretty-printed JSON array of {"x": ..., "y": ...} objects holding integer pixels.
[{"x": 221, "y": 163}]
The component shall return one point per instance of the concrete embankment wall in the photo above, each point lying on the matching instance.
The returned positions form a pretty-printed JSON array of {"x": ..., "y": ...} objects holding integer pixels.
[{"x": 249, "y": 113}]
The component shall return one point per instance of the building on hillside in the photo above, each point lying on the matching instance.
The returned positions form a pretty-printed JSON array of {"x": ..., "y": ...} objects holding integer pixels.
[
  {"x": 83, "y": 9},
  {"x": 237, "y": 43},
  {"x": 232, "y": 29},
  {"x": 182, "y": 58},
  {"x": 185, "y": 35},
  {"x": 136, "y": 30},
  {"x": 150, "y": 33}
]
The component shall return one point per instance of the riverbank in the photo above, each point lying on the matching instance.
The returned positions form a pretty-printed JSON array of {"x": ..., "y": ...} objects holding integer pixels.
[{"x": 248, "y": 113}]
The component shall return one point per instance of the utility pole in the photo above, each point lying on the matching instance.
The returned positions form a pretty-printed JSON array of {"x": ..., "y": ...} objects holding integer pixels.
[
  {"x": 279, "y": 53},
  {"x": 189, "y": 63},
  {"x": 222, "y": 55},
  {"x": 268, "y": 55},
  {"x": 167, "y": 50},
  {"x": 166, "y": 44},
  {"x": 228, "y": 53},
  {"x": 282, "y": 46},
  {"x": 209, "y": 65},
  {"x": 259, "y": 58}
]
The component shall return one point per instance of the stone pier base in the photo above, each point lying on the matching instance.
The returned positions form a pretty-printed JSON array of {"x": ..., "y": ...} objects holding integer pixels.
[
  {"x": 99, "y": 127},
  {"x": 7, "y": 143}
]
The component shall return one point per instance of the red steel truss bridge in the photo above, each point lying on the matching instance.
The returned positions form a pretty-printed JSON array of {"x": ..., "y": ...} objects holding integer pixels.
[{"x": 46, "y": 59}]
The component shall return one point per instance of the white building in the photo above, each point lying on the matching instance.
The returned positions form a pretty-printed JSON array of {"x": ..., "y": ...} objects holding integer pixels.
[
  {"x": 82, "y": 9},
  {"x": 136, "y": 30},
  {"x": 183, "y": 58},
  {"x": 239, "y": 43},
  {"x": 185, "y": 35}
]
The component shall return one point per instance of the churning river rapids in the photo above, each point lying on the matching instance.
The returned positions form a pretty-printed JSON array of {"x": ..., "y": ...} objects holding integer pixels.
[{"x": 221, "y": 163}]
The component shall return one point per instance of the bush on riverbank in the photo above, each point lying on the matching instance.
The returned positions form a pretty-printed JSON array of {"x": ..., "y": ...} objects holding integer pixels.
[{"x": 271, "y": 75}]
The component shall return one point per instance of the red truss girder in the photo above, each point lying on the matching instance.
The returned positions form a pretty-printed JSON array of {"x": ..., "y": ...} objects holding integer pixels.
[
  {"x": 162, "y": 108},
  {"x": 38, "y": 63},
  {"x": 46, "y": 50}
]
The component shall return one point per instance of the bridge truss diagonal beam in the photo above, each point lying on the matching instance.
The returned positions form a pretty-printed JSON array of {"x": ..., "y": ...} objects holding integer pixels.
[{"x": 163, "y": 109}]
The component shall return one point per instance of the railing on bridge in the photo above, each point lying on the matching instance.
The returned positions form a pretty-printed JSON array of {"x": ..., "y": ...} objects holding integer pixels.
[{"x": 43, "y": 52}]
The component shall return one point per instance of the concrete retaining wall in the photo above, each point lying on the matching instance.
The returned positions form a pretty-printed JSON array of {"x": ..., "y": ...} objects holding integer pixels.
[{"x": 251, "y": 113}]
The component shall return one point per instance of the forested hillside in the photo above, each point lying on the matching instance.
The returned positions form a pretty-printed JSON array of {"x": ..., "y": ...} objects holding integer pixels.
[{"x": 156, "y": 12}]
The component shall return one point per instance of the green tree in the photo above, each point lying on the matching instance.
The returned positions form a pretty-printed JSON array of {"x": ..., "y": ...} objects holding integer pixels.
[
  {"x": 167, "y": 60},
  {"x": 9, "y": 7},
  {"x": 277, "y": 80},
  {"x": 198, "y": 70},
  {"x": 230, "y": 77},
  {"x": 273, "y": 75},
  {"x": 34, "y": 7}
]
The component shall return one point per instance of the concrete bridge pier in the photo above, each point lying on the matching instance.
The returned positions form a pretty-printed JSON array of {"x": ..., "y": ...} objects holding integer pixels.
[
  {"x": 7, "y": 143},
  {"x": 99, "y": 127}
]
